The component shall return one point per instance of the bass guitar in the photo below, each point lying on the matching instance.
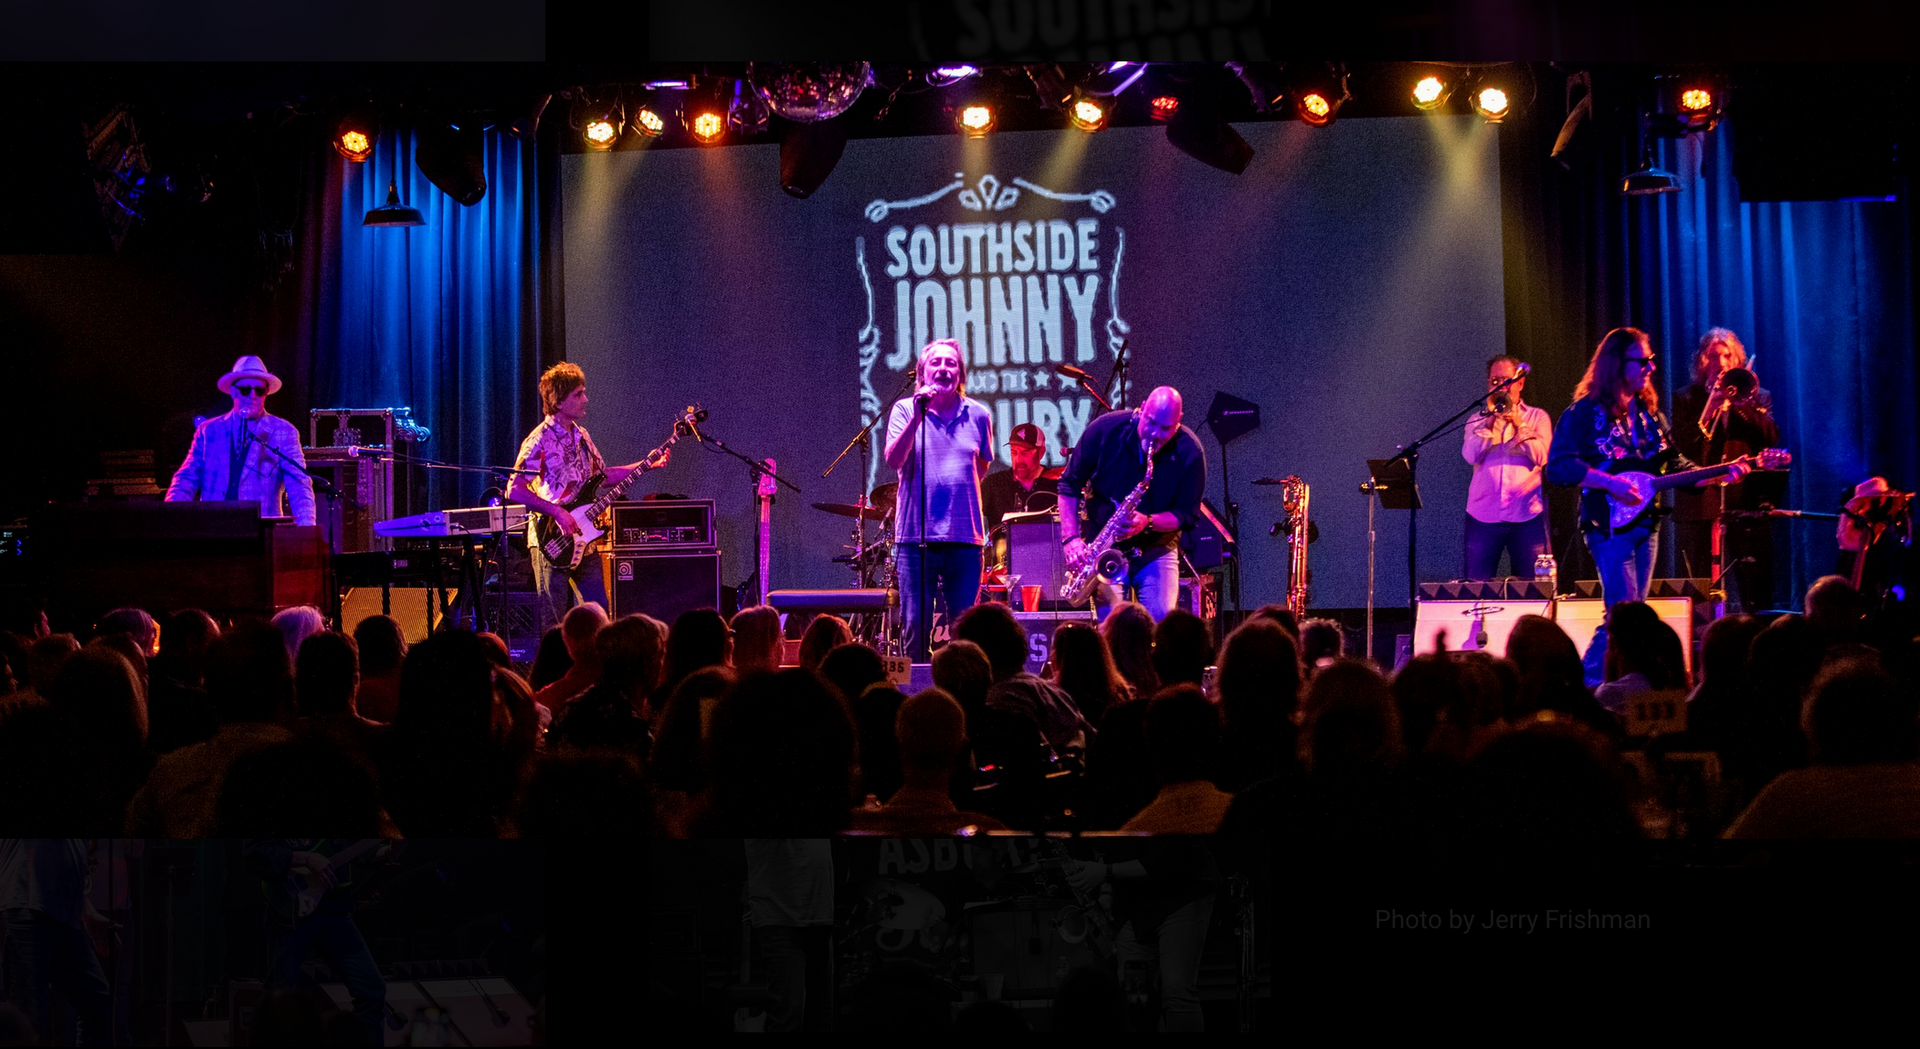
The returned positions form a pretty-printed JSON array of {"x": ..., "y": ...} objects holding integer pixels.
[
  {"x": 588, "y": 508},
  {"x": 1622, "y": 514}
]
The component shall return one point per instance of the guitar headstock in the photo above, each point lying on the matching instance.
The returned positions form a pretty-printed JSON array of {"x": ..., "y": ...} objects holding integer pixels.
[
  {"x": 767, "y": 486},
  {"x": 1775, "y": 459}
]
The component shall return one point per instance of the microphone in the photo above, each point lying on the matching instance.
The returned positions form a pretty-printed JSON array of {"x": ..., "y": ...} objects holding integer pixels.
[
  {"x": 1071, "y": 372},
  {"x": 688, "y": 424}
]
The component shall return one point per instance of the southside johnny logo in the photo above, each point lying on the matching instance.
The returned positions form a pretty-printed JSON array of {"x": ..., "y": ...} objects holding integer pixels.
[{"x": 1020, "y": 294}]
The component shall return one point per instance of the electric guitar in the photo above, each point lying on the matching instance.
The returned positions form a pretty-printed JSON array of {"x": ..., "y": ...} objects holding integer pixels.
[
  {"x": 565, "y": 551},
  {"x": 1622, "y": 514},
  {"x": 298, "y": 894}
]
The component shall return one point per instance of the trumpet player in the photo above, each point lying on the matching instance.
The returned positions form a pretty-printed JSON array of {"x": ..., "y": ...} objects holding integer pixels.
[
  {"x": 1108, "y": 463},
  {"x": 1723, "y": 415},
  {"x": 1507, "y": 446}
]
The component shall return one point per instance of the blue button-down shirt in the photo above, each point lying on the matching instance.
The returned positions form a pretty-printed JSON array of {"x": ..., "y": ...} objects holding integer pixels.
[{"x": 264, "y": 478}]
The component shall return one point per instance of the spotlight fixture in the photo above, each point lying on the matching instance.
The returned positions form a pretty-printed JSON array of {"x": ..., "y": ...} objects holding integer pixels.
[
  {"x": 1163, "y": 106},
  {"x": 1087, "y": 113},
  {"x": 975, "y": 120},
  {"x": 354, "y": 135},
  {"x": 707, "y": 127},
  {"x": 1491, "y": 103},
  {"x": 393, "y": 213},
  {"x": 1200, "y": 131},
  {"x": 648, "y": 122},
  {"x": 1649, "y": 179},
  {"x": 808, "y": 153},
  {"x": 1686, "y": 104},
  {"x": 1430, "y": 92},
  {"x": 1318, "y": 95},
  {"x": 450, "y": 157},
  {"x": 601, "y": 133}
]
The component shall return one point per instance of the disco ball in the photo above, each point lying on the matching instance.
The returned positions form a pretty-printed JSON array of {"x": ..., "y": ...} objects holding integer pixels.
[{"x": 806, "y": 92}]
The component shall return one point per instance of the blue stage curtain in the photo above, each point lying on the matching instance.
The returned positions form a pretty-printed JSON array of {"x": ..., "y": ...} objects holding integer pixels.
[
  {"x": 445, "y": 318},
  {"x": 1819, "y": 291}
]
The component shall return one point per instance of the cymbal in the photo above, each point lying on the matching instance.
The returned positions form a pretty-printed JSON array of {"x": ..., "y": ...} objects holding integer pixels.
[
  {"x": 883, "y": 496},
  {"x": 871, "y": 513}
]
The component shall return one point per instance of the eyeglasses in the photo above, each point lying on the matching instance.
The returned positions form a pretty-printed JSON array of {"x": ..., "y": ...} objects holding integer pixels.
[
  {"x": 1648, "y": 361},
  {"x": 249, "y": 391}
]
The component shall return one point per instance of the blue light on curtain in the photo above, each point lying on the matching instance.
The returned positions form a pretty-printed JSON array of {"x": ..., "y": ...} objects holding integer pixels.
[{"x": 441, "y": 318}]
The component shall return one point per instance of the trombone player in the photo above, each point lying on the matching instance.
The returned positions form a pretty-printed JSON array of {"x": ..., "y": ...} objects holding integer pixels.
[{"x": 1723, "y": 415}]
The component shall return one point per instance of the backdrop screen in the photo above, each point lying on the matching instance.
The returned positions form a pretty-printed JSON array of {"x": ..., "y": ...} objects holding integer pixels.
[{"x": 1347, "y": 284}]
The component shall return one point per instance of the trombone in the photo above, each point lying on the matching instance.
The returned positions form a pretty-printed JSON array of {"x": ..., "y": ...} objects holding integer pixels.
[{"x": 1736, "y": 387}]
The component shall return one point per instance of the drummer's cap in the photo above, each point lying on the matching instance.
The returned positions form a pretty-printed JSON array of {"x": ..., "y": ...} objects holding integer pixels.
[{"x": 1028, "y": 434}]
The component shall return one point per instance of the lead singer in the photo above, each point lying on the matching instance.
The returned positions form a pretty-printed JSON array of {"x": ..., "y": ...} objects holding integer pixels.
[{"x": 941, "y": 443}]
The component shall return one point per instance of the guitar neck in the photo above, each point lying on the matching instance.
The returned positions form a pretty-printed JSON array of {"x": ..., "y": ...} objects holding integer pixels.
[{"x": 1695, "y": 476}]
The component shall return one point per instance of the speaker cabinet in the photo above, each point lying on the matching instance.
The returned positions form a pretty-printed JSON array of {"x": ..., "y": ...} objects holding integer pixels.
[
  {"x": 1039, "y": 627},
  {"x": 665, "y": 584},
  {"x": 413, "y": 607}
]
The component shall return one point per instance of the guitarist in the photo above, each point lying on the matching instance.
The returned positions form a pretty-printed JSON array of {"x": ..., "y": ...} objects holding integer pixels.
[
  {"x": 564, "y": 459},
  {"x": 330, "y": 927},
  {"x": 1615, "y": 423}
]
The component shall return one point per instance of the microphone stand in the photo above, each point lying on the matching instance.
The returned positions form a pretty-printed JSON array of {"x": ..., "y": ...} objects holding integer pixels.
[
  {"x": 505, "y": 475},
  {"x": 333, "y": 494},
  {"x": 756, "y": 469},
  {"x": 1119, "y": 373},
  {"x": 866, "y": 472},
  {"x": 1411, "y": 453}
]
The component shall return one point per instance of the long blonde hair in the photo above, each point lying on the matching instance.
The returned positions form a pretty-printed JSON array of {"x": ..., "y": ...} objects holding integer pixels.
[
  {"x": 1707, "y": 341},
  {"x": 1606, "y": 372}
]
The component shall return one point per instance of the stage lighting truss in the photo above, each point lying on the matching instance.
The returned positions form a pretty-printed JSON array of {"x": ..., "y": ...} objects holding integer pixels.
[{"x": 354, "y": 135}]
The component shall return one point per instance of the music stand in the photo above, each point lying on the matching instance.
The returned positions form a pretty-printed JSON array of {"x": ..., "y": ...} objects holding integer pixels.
[
  {"x": 1230, "y": 417},
  {"x": 1392, "y": 480}
]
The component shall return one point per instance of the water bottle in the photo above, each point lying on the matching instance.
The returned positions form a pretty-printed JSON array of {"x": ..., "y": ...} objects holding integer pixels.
[{"x": 1543, "y": 572}]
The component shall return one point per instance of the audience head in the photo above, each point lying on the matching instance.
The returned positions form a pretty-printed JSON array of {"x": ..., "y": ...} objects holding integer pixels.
[
  {"x": 1638, "y": 642},
  {"x": 136, "y": 623},
  {"x": 446, "y": 693},
  {"x": 1129, "y": 632},
  {"x": 550, "y": 661},
  {"x": 1723, "y": 651},
  {"x": 1556, "y": 779},
  {"x": 757, "y": 644},
  {"x": 129, "y": 648},
  {"x": 582, "y": 623},
  {"x": 296, "y": 624},
  {"x": 183, "y": 649},
  {"x": 1321, "y": 639},
  {"x": 699, "y": 638},
  {"x": 631, "y": 651},
  {"x": 1351, "y": 724},
  {"x": 853, "y": 669},
  {"x": 961, "y": 670},
  {"x": 931, "y": 728},
  {"x": 46, "y": 656},
  {"x": 1182, "y": 648},
  {"x": 1834, "y": 606},
  {"x": 98, "y": 688},
  {"x": 1183, "y": 734},
  {"x": 1259, "y": 678},
  {"x": 993, "y": 627},
  {"x": 783, "y": 757},
  {"x": 250, "y": 674},
  {"x": 1551, "y": 676},
  {"x": 24, "y": 614},
  {"x": 823, "y": 635},
  {"x": 326, "y": 674},
  {"x": 1085, "y": 670},
  {"x": 497, "y": 650},
  {"x": 1857, "y": 713},
  {"x": 1280, "y": 614},
  {"x": 678, "y": 760},
  {"x": 382, "y": 645},
  {"x": 580, "y": 793}
]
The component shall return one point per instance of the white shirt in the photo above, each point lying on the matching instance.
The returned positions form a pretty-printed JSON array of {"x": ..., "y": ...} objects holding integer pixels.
[{"x": 1506, "y": 467}]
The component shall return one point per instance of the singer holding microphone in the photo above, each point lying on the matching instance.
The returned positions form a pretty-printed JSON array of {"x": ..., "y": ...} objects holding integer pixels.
[
  {"x": 940, "y": 441},
  {"x": 1507, "y": 447},
  {"x": 246, "y": 454}
]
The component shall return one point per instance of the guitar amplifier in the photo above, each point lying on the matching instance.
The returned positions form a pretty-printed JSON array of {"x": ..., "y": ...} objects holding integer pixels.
[
  {"x": 663, "y": 524},
  {"x": 1034, "y": 554},
  {"x": 665, "y": 583}
]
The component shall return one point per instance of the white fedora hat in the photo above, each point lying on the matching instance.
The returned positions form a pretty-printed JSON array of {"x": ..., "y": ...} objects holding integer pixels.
[{"x": 249, "y": 368}]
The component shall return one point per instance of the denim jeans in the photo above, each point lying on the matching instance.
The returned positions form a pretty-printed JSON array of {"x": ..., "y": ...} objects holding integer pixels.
[
  {"x": 798, "y": 976},
  {"x": 1521, "y": 540},
  {"x": 1155, "y": 584},
  {"x": 1181, "y": 935},
  {"x": 560, "y": 587},
  {"x": 952, "y": 570},
  {"x": 340, "y": 943},
  {"x": 1625, "y": 563},
  {"x": 42, "y": 956}
]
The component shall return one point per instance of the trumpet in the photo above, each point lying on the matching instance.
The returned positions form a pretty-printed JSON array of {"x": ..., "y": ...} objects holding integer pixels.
[{"x": 1735, "y": 387}]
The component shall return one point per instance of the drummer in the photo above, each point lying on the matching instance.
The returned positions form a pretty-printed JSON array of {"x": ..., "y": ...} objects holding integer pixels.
[{"x": 1025, "y": 487}]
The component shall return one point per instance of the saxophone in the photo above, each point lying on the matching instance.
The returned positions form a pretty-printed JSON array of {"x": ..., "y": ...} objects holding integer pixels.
[
  {"x": 1109, "y": 563},
  {"x": 1293, "y": 494}
]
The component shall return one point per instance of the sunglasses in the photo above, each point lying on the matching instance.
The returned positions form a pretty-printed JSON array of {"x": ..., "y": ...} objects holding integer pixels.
[
  {"x": 1641, "y": 360},
  {"x": 247, "y": 390}
]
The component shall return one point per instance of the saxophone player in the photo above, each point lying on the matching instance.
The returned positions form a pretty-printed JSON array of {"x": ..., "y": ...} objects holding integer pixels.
[{"x": 1108, "y": 463}]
